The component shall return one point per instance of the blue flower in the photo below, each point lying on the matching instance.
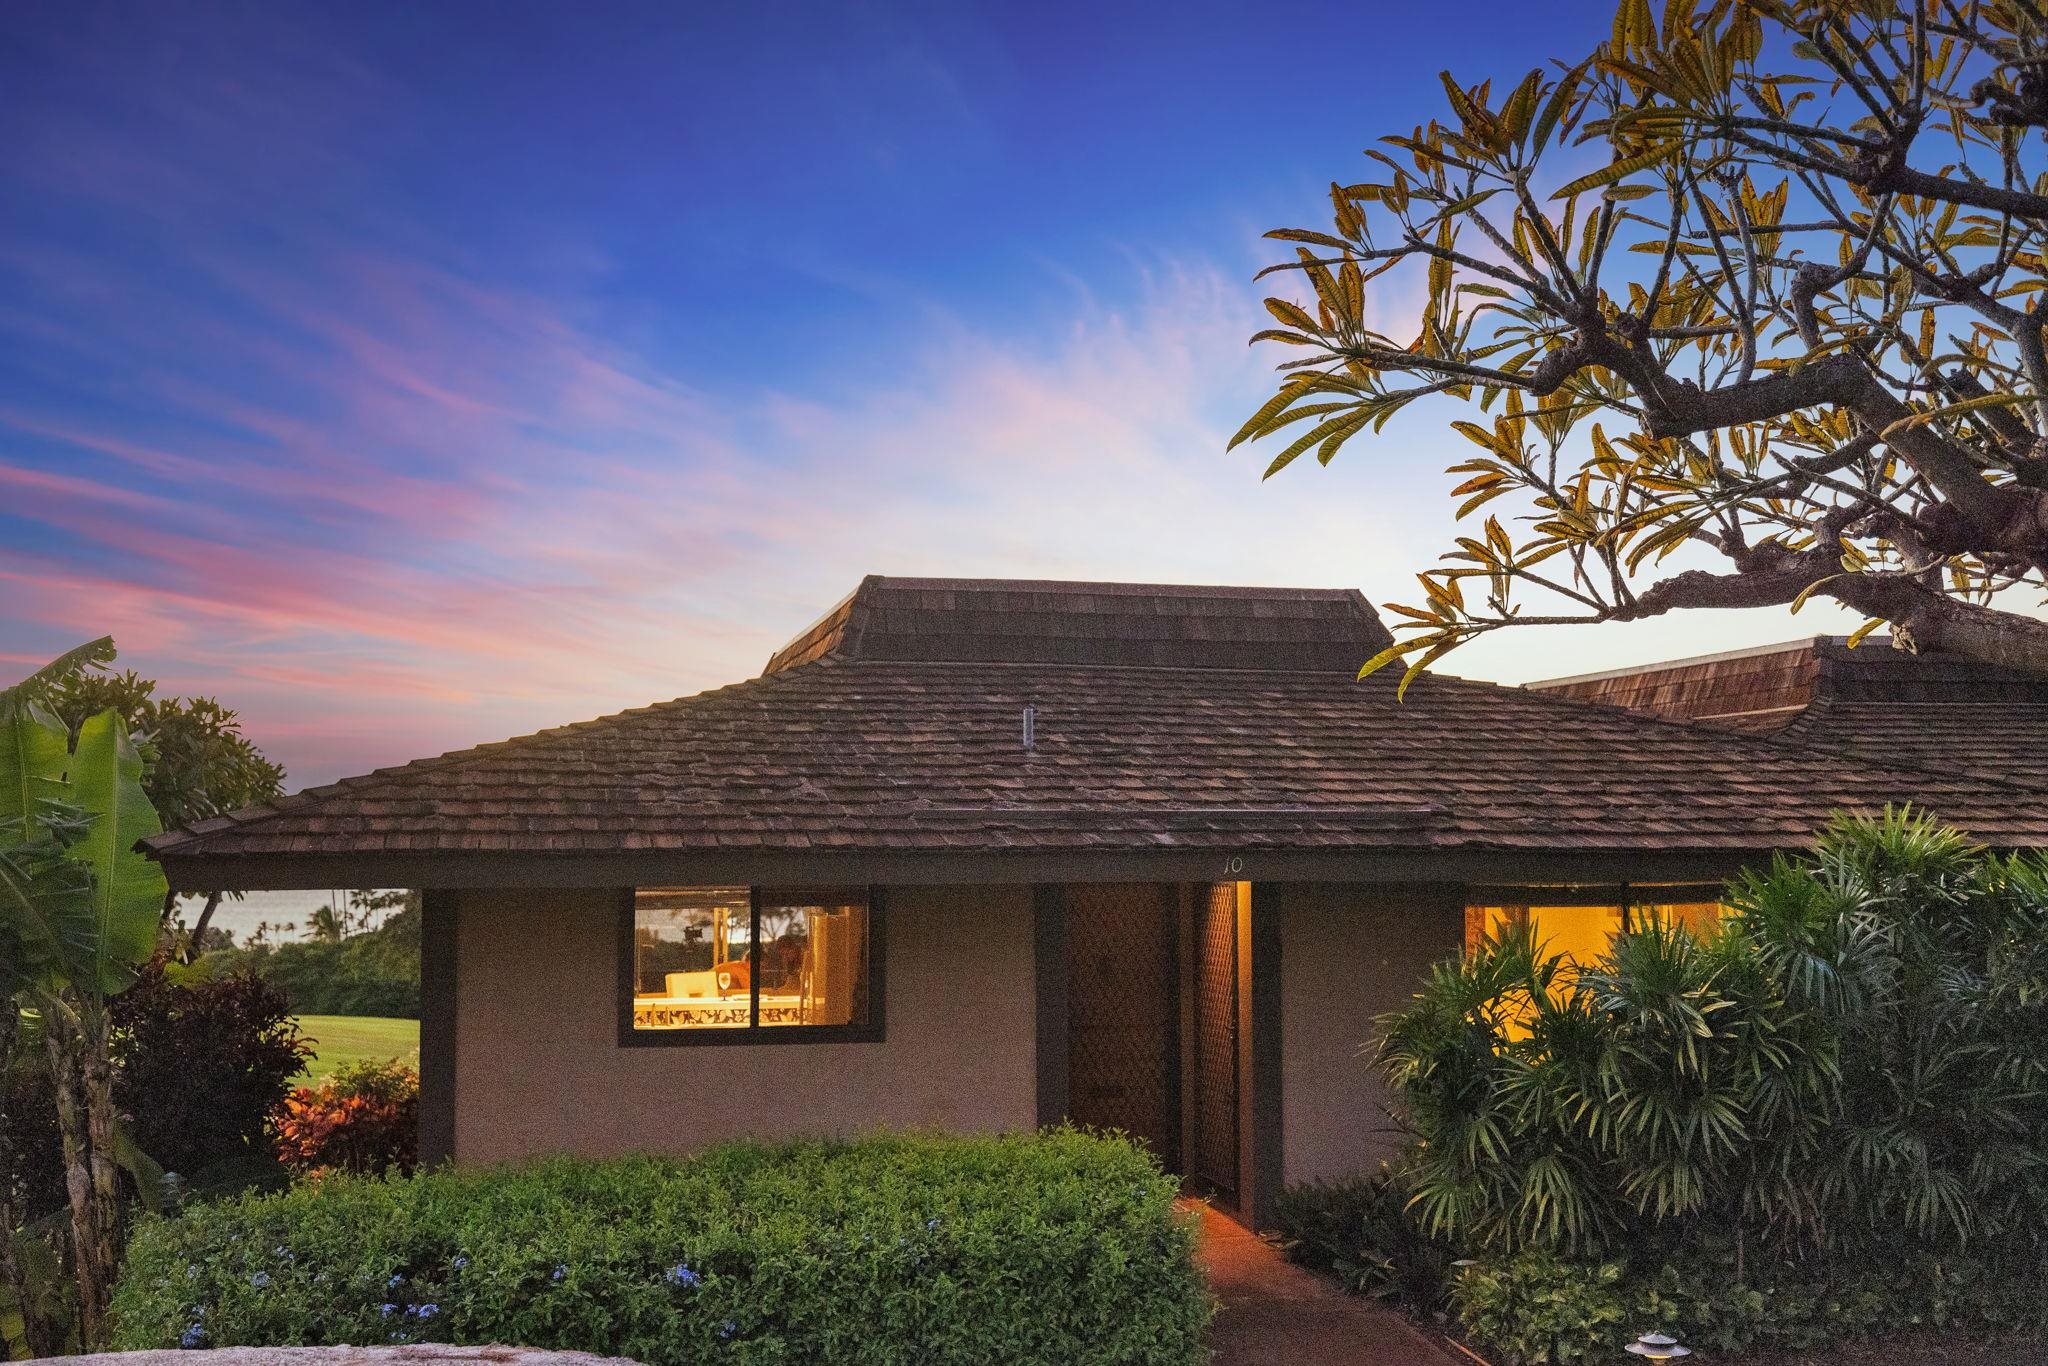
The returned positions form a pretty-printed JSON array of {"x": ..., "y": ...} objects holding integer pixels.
[
  {"x": 387, "y": 1310},
  {"x": 680, "y": 1274},
  {"x": 931, "y": 1225},
  {"x": 192, "y": 1272},
  {"x": 192, "y": 1338},
  {"x": 727, "y": 1329},
  {"x": 427, "y": 1311},
  {"x": 260, "y": 1279},
  {"x": 561, "y": 1270},
  {"x": 460, "y": 1262},
  {"x": 397, "y": 1279}
]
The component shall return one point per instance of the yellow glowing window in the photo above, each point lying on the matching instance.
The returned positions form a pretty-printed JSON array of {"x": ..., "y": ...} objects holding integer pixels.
[
  {"x": 704, "y": 963},
  {"x": 1582, "y": 933}
]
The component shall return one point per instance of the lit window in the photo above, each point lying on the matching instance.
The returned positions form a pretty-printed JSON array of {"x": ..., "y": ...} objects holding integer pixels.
[
  {"x": 725, "y": 962},
  {"x": 1582, "y": 933}
]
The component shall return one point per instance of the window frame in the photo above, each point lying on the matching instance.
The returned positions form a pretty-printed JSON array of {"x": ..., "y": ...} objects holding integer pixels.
[{"x": 870, "y": 1030}]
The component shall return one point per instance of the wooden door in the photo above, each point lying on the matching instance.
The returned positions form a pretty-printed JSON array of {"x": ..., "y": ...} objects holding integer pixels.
[{"x": 1123, "y": 1022}]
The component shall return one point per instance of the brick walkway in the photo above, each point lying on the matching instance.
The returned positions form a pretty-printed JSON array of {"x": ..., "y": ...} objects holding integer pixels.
[{"x": 1276, "y": 1314}]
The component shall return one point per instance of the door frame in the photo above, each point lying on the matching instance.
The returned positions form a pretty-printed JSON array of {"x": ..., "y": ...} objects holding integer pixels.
[{"x": 1259, "y": 1044}]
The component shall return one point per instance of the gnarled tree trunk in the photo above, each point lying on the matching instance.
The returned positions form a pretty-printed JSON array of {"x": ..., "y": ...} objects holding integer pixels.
[{"x": 77, "y": 1036}]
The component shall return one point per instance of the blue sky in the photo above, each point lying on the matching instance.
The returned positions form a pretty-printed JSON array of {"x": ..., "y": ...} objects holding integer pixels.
[{"x": 410, "y": 376}]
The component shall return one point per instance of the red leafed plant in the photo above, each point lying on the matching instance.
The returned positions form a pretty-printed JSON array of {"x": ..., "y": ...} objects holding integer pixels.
[{"x": 364, "y": 1118}]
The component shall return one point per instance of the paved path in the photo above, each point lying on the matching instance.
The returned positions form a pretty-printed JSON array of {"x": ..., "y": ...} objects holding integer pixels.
[{"x": 1276, "y": 1314}]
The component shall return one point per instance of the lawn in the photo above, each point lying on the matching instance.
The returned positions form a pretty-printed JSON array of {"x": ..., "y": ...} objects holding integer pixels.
[{"x": 339, "y": 1040}]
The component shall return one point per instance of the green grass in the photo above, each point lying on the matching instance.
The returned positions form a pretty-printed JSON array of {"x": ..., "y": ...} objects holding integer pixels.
[{"x": 339, "y": 1040}]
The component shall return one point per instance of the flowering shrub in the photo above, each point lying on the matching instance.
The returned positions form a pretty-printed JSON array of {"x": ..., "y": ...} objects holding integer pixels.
[
  {"x": 1039, "y": 1248},
  {"x": 363, "y": 1119}
]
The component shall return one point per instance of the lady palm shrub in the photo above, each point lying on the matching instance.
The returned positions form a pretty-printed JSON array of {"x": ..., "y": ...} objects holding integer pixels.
[{"x": 1855, "y": 1060}]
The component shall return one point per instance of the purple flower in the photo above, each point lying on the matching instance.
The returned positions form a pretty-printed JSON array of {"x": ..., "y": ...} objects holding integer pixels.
[
  {"x": 460, "y": 1262},
  {"x": 561, "y": 1270},
  {"x": 387, "y": 1310},
  {"x": 427, "y": 1311},
  {"x": 680, "y": 1274},
  {"x": 192, "y": 1338}
]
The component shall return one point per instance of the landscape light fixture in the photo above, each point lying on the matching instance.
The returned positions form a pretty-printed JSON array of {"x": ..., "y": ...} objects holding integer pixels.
[{"x": 1658, "y": 1347}]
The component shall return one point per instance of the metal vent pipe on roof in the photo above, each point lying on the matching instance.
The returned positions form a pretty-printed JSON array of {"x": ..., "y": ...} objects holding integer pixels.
[{"x": 1030, "y": 728}]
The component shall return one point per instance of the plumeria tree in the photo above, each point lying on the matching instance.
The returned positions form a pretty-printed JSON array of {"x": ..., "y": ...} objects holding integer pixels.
[
  {"x": 1781, "y": 338},
  {"x": 78, "y": 916}
]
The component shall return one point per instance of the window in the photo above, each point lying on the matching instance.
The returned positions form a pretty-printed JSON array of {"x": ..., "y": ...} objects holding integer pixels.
[
  {"x": 739, "y": 964},
  {"x": 1582, "y": 932}
]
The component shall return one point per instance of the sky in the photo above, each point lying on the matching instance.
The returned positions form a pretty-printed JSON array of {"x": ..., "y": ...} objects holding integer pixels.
[{"x": 411, "y": 376}]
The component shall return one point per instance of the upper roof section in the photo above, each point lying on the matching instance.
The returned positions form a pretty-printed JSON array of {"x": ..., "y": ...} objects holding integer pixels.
[
  {"x": 1032, "y": 621},
  {"x": 1766, "y": 688}
]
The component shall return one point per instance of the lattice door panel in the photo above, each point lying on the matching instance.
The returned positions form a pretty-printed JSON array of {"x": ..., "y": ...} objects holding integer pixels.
[
  {"x": 1212, "y": 1071},
  {"x": 1123, "y": 998}
]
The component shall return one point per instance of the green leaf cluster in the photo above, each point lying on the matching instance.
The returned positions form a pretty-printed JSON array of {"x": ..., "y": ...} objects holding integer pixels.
[
  {"x": 78, "y": 901},
  {"x": 1025, "y": 1248},
  {"x": 1855, "y": 1064},
  {"x": 1754, "y": 283}
]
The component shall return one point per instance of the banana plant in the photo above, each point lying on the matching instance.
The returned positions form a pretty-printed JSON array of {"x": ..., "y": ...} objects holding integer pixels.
[{"x": 78, "y": 916}]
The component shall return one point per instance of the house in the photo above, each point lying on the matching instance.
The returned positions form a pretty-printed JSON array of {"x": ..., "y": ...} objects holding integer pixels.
[
  {"x": 1882, "y": 704},
  {"x": 985, "y": 854}
]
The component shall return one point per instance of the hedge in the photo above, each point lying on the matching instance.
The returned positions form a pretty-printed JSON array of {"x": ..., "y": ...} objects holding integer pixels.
[
  {"x": 1539, "y": 1309},
  {"x": 1048, "y": 1248}
]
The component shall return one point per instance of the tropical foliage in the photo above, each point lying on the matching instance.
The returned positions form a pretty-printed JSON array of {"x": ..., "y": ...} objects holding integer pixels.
[
  {"x": 1849, "y": 1074},
  {"x": 1857, "y": 1060},
  {"x": 78, "y": 917},
  {"x": 1754, "y": 285},
  {"x": 345, "y": 969},
  {"x": 199, "y": 764},
  {"x": 1055, "y": 1247},
  {"x": 364, "y": 1119},
  {"x": 199, "y": 1064}
]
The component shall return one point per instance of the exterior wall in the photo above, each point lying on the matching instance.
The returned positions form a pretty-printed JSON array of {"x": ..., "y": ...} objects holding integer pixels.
[
  {"x": 539, "y": 1069},
  {"x": 1348, "y": 954}
]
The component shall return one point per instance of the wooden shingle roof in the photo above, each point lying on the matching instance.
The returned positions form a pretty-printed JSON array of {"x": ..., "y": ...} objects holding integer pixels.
[
  {"x": 1871, "y": 702},
  {"x": 1013, "y": 621},
  {"x": 842, "y": 746}
]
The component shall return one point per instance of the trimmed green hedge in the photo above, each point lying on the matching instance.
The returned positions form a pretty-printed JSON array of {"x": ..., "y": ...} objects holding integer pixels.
[
  {"x": 1536, "y": 1308},
  {"x": 1050, "y": 1248}
]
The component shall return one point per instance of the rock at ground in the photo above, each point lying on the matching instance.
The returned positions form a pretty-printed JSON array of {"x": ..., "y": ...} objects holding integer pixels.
[{"x": 415, "y": 1354}]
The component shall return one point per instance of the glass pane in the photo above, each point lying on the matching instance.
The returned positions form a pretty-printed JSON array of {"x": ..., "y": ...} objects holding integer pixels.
[
  {"x": 1698, "y": 916},
  {"x": 690, "y": 958},
  {"x": 814, "y": 961}
]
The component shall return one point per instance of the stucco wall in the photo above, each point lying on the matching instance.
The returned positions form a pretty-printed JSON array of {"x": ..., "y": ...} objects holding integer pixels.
[
  {"x": 539, "y": 1067},
  {"x": 1348, "y": 954}
]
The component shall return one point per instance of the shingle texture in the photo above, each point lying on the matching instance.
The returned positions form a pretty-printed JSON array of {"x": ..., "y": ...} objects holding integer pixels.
[
  {"x": 1874, "y": 703},
  {"x": 1999, "y": 739},
  {"x": 849, "y": 750},
  {"x": 1755, "y": 691},
  {"x": 1007, "y": 621}
]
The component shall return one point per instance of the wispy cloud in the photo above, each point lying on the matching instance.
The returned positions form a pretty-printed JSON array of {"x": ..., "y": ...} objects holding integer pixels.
[
  {"x": 302, "y": 442},
  {"x": 499, "y": 520}
]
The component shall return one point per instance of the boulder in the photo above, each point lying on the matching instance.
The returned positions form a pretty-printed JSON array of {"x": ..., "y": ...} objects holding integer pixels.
[{"x": 412, "y": 1354}]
